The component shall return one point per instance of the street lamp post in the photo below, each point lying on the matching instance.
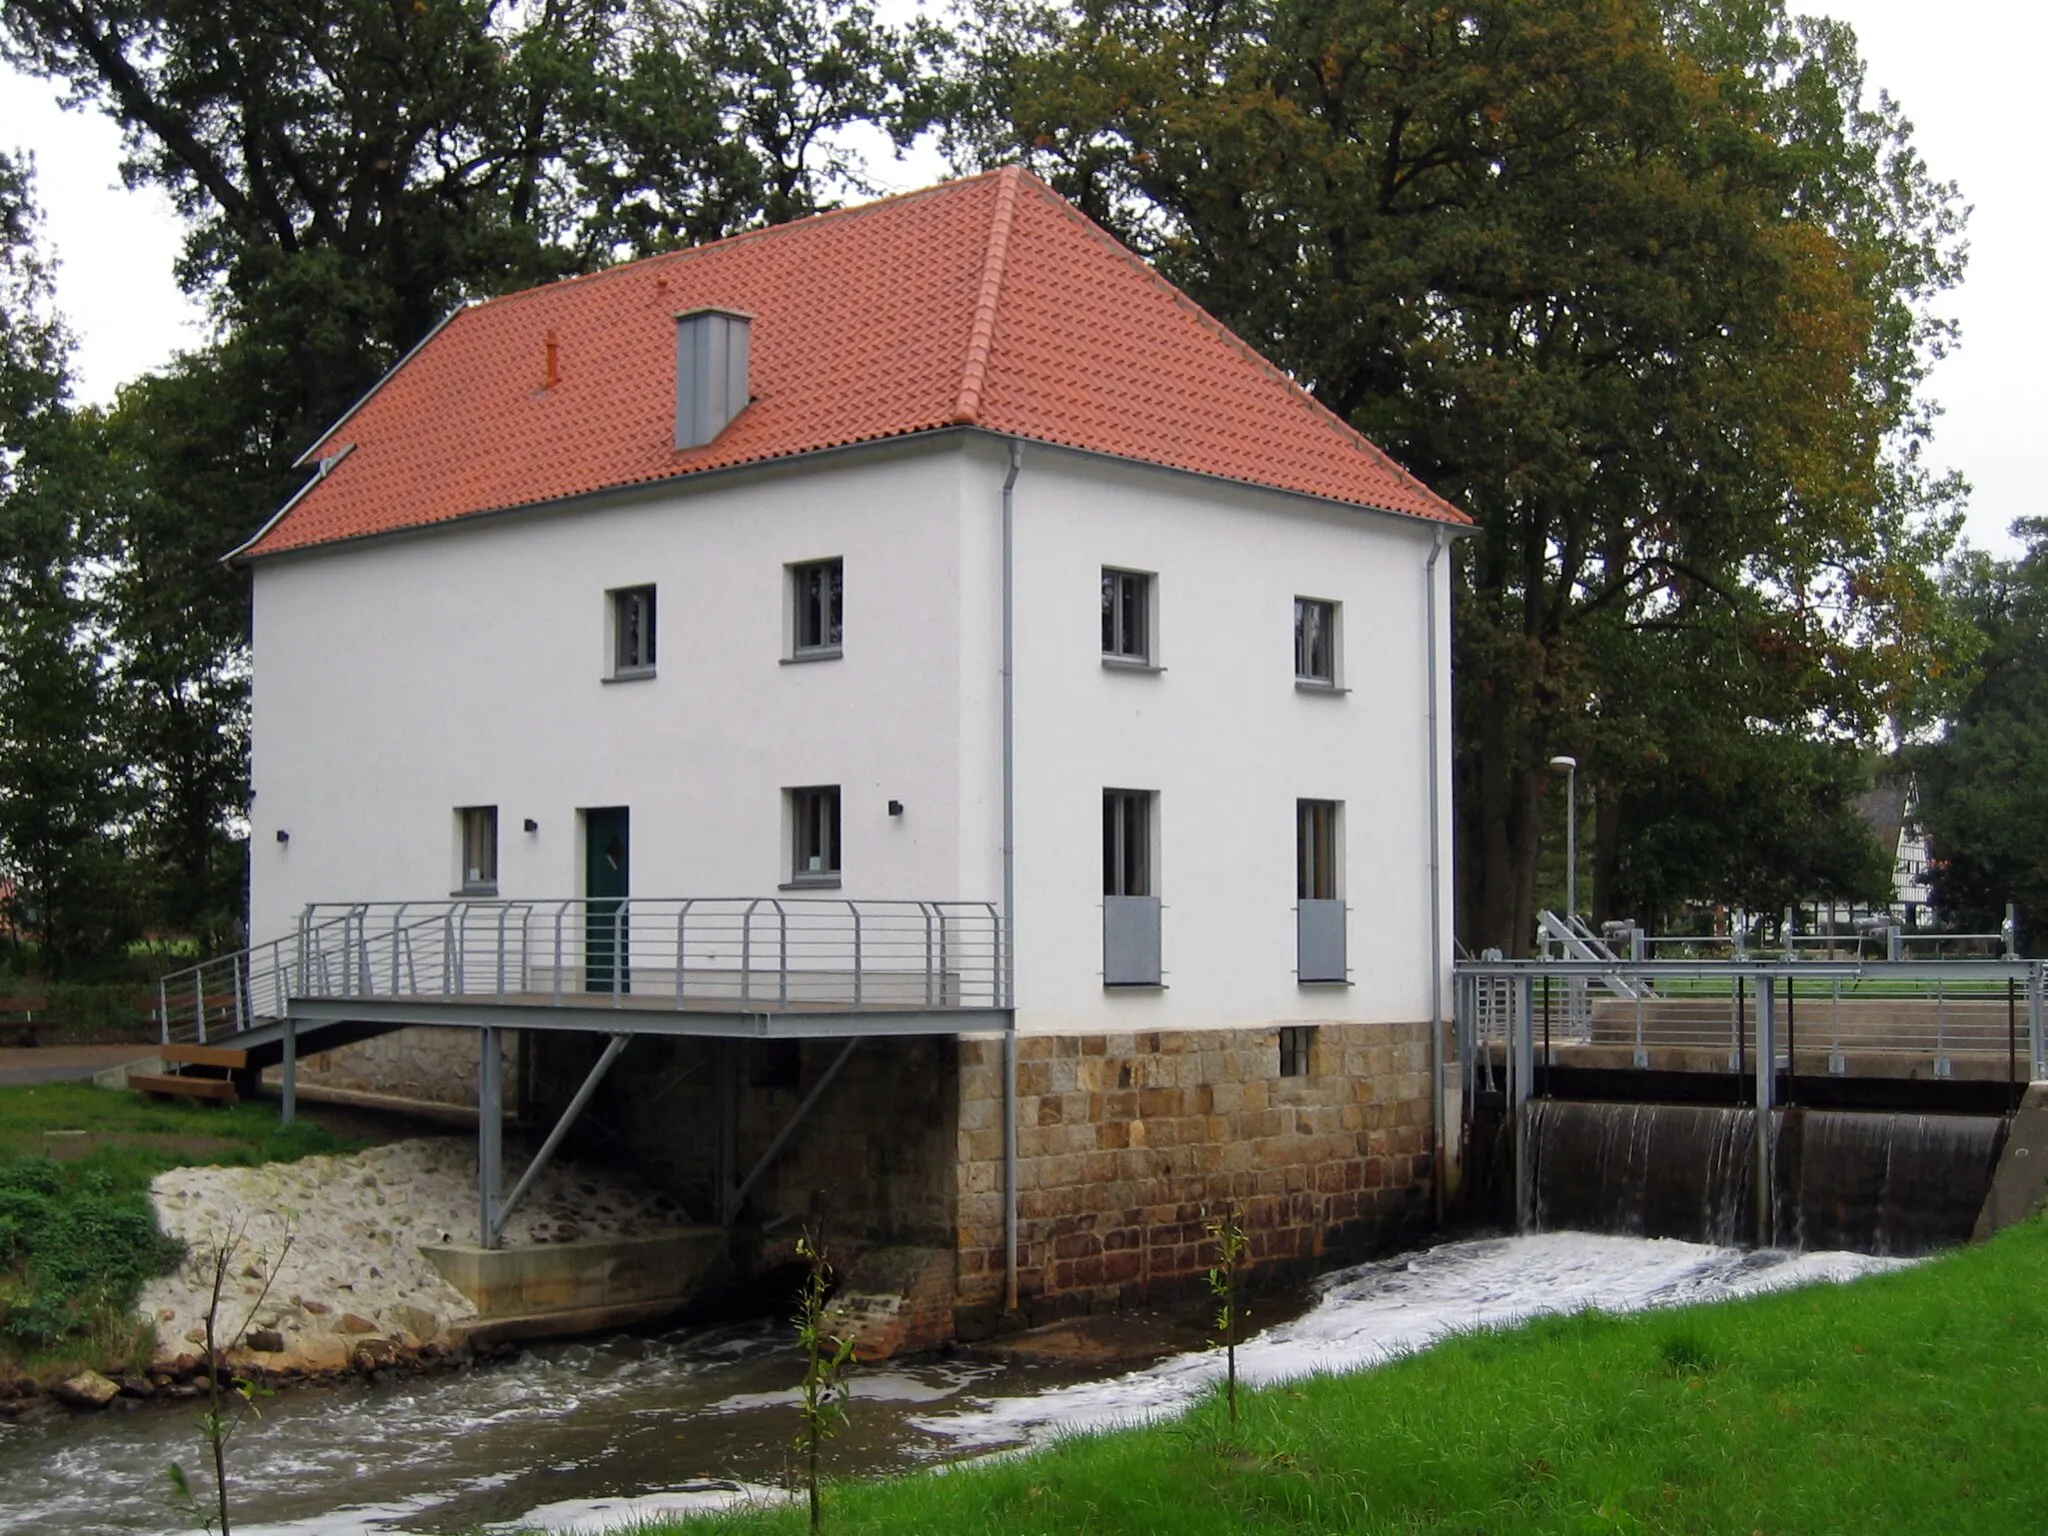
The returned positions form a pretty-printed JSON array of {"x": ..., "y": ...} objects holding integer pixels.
[{"x": 1570, "y": 765}]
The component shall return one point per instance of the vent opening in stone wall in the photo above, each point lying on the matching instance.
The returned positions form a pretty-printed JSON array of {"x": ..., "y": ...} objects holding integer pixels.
[{"x": 1297, "y": 1042}]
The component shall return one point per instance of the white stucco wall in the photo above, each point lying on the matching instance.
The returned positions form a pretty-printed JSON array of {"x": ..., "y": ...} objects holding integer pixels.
[
  {"x": 399, "y": 679},
  {"x": 1226, "y": 742}
]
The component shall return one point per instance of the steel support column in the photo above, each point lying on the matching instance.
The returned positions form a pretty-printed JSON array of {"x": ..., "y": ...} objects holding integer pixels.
[
  {"x": 490, "y": 1134},
  {"x": 1766, "y": 1101},
  {"x": 2037, "y": 1037},
  {"x": 1521, "y": 1086},
  {"x": 290, "y": 1107}
]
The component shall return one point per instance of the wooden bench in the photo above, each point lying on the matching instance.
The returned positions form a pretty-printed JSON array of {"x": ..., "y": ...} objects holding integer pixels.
[
  {"x": 209, "y": 1072},
  {"x": 18, "y": 1022}
]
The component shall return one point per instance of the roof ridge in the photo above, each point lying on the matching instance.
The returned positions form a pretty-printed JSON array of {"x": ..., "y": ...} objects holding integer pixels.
[
  {"x": 684, "y": 252},
  {"x": 996, "y": 261}
]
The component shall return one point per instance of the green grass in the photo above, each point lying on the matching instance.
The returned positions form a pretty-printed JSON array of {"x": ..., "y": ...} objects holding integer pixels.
[
  {"x": 78, "y": 1237},
  {"x": 1913, "y": 1402}
]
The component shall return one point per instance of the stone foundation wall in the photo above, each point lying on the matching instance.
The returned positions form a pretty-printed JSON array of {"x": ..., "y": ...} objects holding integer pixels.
[
  {"x": 1125, "y": 1142},
  {"x": 438, "y": 1065}
]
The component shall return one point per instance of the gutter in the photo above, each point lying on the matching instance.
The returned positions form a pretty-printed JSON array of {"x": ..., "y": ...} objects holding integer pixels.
[
  {"x": 321, "y": 470},
  {"x": 599, "y": 496},
  {"x": 1436, "y": 891},
  {"x": 1010, "y": 877}
]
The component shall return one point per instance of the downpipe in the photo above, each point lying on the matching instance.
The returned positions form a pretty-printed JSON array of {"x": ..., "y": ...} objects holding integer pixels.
[
  {"x": 1010, "y": 878},
  {"x": 1436, "y": 880}
]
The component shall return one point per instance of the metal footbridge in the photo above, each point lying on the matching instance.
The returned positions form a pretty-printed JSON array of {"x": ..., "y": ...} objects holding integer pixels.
[{"x": 780, "y": 967}]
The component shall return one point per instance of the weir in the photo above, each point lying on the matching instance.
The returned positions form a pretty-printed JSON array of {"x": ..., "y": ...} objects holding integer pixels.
[
  {"x": 1809, "y": 1104},
  {"x": 1890, "y": 1183}
]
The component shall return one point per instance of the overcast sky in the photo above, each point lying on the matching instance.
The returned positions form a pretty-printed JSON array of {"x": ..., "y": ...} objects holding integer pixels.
[{"x": 1966, "y": 72}]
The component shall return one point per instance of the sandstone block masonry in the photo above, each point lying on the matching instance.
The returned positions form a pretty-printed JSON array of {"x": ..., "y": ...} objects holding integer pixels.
[{"x": 1126, "y": 1143}]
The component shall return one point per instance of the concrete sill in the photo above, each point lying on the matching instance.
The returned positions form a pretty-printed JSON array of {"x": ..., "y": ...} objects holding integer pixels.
[
  {"x": 474, "y": 890},
  {"x": 1310, "y": 685},
  {"x": 1134, "y": 986},
  {"x": 831, "y": 884},
  {"x": 632, "y": 675},
  {"x": 824, "y": 653},
  {"x": 1128, "y": 664},
  {"x": 1324, "y": 981}
]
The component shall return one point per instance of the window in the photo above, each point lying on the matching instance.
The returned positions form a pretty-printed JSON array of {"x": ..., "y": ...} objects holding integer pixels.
[
  {"x": 1126, "y": 616},
  {"x": 1315, "y": 850},
  {"x": 477, "y": 830},
  {"x": 633, "y": 632},
  {"x": 1130, "y": 907},
  {"x": 819, "y": 607},
  {"x": 1296, "y": 1041},
  {"x": 814, "y": 835},
  {"x": 1126, "y": 842},
  {"x": 1315, "y": 642},
  {"x": 1320, "y": 919}
]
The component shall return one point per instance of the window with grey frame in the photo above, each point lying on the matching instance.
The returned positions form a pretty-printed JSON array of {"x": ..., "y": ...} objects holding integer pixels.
[
  {"x": 818, "y": 592},
  {"x": 1319, "y": 901},
  {"x": 1315, "y": 642},
  {"x": 633, "y": 632},
  {"x": 1130, "y": 900},
  {"x": 477, "y": 829},
  {"x": 1297, "y": 1043},
  {"x": 814, "y": 835},
  {"x": 1126, "y": 616}
]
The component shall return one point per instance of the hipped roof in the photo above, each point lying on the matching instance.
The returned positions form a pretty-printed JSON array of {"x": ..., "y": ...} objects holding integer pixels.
[{"x": 986, "y": 303}]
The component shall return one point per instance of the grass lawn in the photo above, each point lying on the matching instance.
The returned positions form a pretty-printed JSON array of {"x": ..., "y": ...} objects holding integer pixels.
[
  {"x": 77, "y": 1234},
  {"x": 1913, "y": 1402}
]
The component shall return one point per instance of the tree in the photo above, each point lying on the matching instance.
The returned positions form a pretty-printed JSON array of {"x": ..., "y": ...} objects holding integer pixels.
[
  {"x": 350, "y": 171},
  {"x": 1644, "y": 289},
  {"x": 62, "y": 792},
  {"x": 1983, "y": 781}
]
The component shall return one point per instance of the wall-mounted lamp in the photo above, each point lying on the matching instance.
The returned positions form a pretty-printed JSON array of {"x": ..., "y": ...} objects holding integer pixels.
[
  {"x": 283, "y": 836},
  {"x": 895, "y": 807},
  {"x": 532, "y": 825}
]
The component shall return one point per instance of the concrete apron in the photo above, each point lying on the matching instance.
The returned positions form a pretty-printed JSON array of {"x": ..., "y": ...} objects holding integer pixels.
[{"x": 559, "y": 1290}]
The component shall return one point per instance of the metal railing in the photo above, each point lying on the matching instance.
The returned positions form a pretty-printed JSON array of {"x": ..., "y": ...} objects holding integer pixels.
[
  {"x": 1703, "y": 1014},
  {"x": 755, "y": 953}
]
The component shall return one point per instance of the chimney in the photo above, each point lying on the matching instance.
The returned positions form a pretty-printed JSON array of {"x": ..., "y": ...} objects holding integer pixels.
[{"x": 711, "y": 372}]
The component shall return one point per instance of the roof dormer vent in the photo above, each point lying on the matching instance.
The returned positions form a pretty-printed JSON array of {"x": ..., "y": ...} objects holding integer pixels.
[{"x": 711, "y": 372}]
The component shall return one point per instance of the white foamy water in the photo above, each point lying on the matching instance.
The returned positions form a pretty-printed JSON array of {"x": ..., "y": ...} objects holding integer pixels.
[
  {"x": 586, "y": 1438},
  {"x": 1371, "y": 1313}
]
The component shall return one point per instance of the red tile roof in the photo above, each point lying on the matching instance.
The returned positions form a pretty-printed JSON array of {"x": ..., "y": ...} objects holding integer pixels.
[{"x": 989, "y": 302}]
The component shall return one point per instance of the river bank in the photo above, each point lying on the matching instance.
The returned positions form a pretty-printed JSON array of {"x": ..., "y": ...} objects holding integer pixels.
[
  {"x": 591, "y": 1435},
  {"x": 1910, "y": 1401}
]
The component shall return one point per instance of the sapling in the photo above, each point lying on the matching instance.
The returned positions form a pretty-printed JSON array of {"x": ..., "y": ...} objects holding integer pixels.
[
  {"x": 218, "y": 1425},
  {"x": 825, "y": 1361},
  {"x": 1227, "y": 1232}
]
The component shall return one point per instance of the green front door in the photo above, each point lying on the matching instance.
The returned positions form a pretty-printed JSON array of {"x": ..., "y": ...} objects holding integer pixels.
[{"x": 607, "y": 865}]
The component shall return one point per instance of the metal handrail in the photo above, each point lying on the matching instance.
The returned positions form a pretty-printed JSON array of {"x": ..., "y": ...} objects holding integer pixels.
[
  {"x": 822, "y": 951},
  {"x": 1937, "y": 1010}
]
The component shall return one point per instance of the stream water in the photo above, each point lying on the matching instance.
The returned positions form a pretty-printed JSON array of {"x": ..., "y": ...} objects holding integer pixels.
[{"x": 584, "y": 1437}]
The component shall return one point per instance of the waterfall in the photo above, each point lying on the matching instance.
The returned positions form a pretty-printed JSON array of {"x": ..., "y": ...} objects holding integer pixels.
[
  {"x": 1868, "y": 1182},
  {"x": 1885, "y": 1183}
]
